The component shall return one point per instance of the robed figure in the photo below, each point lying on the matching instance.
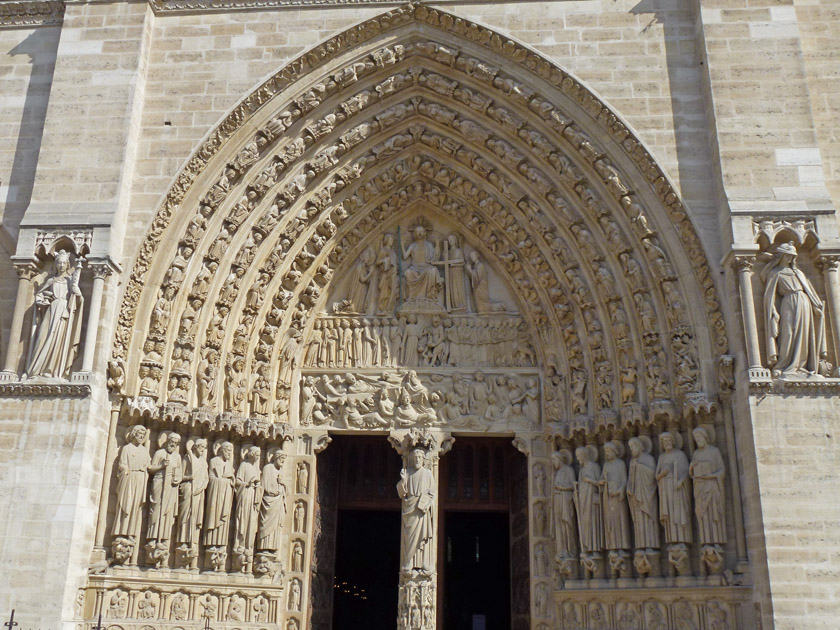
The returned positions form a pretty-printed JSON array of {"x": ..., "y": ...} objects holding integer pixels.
[
  {"x": 388, "y": 281},
  {"x": 707, "y": 473},
  {"x": 219, "y": 497},
  {"x": 674, "y": 489},
  {"x": 273, "y": 506},
  {"x": 416, "y": 488},
  {"x": 248, "y": 499},
  {"x": 163, "y": 491},
  {"x": 795, "y": 326},
  {"x": 641, "y": 494},
  {"x": 422, "y": 279},
  {"x": 132, "y": 478},
  {"x": 614, "y": 480},
  {"x": 57, "y": 321},
  {"x": 563, "y": 505},
  {"x": 588, "y": 501},
  {"x": 194, "y": 481}
]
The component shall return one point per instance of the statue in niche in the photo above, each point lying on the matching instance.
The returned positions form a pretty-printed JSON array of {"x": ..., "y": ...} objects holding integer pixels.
[
  {"x": 219, "y": 503},
  {"x": 480, "y": 285},
  {"x": 163, "y": 498},
  {"x": 422, "y": 279},
  {"x": 416, "y": 488},
  {"x": 297, "y": 557},
  {"x": 248, "y": 493},
  {"x": 294, "y": 595},
  {"x": 614, "y": 497},
  {"x": 794, "y": 314},
  {"x": 57, "y": 321},
  {"x": 388, "y": 280},
  {"x": 132, "y": 477},
  {"x": 563, "y": 512},
  {"x": 588, "y": 507},
  {"x": 273, "y": 506},
  {"x": 260, "y": 608},
  {"x": 302, "y": 478},
  {"x": 707, "y": 472},
  {"x": 360, "y": 282},
  {"x": 644, "y": 507},
  {"x": 299, "y": 519},
  {"x": 194, "y": 479},
  {"x": 674, "y": 498}
]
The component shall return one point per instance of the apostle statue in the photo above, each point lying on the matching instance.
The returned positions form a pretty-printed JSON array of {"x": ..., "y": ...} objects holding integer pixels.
[
  {"x": 644, "y": 507},
  {"x": 614, "y": 497},
  {"x": 588, "y": 507},
  {"x": 194, "y": 479},
  {"x": 707, "y": 473},
  {"x": 422, "y": 279},
  {"x": 563, "y": 511},
  {"x": 163, "y": 498},
  {"x": 360, "y": 282},
  {"x": 132, "y": 477},
  {"x": 674, "y": 497},
  {"x": 416, "y": 488},
  {"x": 794, "y": 317},
  {"x": 57, "y": 321},
  {"x": 273, "y": 506},
  {"x": 219, "y": 503},
  {"x": 248, "y": 498}
]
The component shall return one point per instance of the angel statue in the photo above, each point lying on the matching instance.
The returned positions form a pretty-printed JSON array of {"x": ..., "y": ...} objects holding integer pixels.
[{"x": 57, "y": 322}]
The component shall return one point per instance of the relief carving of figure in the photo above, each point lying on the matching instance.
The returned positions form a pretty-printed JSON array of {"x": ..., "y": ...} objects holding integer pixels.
[
  {"x": 794, "y": 317},
  {"x": 57, "y": 321},
  {"x": 416, "y": 488},
  {"x": 422, "y": 279},
  {"x": 563, "y": 509},
  {"x": 163, "y": 498},
  {"x": 248, "y": 491},
  {"x": 132, "y": 477},
  {"x": 456, "y": 286},
  {"x": 388, "y": 280},
  {"x": 273, "y": 506},
  {"x": 194, "y": 479},
  {"x": 219, "y": 503},
  {"x": 360, "y": 282},
  {"x": 480, "y": 285}
]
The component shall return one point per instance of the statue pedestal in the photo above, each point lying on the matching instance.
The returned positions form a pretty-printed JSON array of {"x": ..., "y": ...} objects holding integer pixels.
[{"x": 8, "y": 377}]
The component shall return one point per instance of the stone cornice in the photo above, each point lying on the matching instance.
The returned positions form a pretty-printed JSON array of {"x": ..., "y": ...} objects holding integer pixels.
[
  {"x": 31, "y": 13},
  {"x": 192, "y": 6},
  {"x": 58, "y": 390}
]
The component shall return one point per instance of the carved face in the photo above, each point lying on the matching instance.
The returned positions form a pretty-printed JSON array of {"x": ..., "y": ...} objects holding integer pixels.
[
  {"x": 418, "y": 458},
  {"x": 700, "y": 438},
  {"x": 199, "y": 448},
  {"x": 609, "y": 453},
  {"x": 635, "y": 448},
  {"x": 138, "y": 435},
  {"x": 419, "y": 233},
  {"x": 227, "y": 451},
  {"x": 667, "y": 442},
  {"x": 172, "y": 442}
]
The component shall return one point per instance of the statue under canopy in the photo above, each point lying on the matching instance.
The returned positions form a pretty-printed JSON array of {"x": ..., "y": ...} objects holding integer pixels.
[{"x": 416, "y": 488}]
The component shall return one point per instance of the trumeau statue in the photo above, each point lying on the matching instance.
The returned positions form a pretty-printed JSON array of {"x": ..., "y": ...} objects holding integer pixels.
[
  {"x": 416, "y": 488},
  {"x": 794, "y": 317},
  {"x": 163, "y": 498},
  {"x": 57, "y": 321},
  {"x": 194, "y": 480}
]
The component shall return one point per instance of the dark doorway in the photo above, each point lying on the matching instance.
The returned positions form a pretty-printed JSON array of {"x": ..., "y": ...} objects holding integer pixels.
[
  {"x": 366, "y": 570},
  {"x": 477, "y": 571}
]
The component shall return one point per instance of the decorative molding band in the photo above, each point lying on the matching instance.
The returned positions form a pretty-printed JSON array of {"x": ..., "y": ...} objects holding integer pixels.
[
  {"x": 31, "y": 13},
  {"x": 808, "y": 387},
  {"x": 189, "y": 6},
  {"x": 61, "y": 390}
]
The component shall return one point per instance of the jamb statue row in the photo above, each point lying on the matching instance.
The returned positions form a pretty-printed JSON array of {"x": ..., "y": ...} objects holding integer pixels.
[
  {"x": 199, "y": 502},
  {"x": 593, "y": 510}
]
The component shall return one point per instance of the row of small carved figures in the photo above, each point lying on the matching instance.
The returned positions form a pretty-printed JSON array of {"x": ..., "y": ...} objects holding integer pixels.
[
  {"x": 593, "y": 508},
  {"x": 204, "y": 499},
  {"x": 390, "y": 342}
]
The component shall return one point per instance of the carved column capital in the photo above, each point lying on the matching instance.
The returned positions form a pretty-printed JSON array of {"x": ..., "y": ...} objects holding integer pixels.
[
  {"x": 743, "y": 263},
  {"x": 101, "y": 270},
  {"x": 26, "y": 270},
  {"x": 829, "y": 262}
]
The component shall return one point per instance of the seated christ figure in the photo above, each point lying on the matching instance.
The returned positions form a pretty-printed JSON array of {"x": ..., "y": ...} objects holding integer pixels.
[{"x": 422, "y": 279}]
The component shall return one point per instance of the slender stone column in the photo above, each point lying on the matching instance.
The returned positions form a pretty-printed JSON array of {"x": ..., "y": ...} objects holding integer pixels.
[
  {"x": 25, "y": 271},
  {"x": 830, "y": 268},
  {"x": 104, "y": 495},
  {"x": 418, "y": 488},
  {"x": 743, "y": 265},
  {"x": 100, "y": 272}
]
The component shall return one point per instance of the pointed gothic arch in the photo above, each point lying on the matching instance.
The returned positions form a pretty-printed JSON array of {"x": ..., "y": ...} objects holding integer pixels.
[{"x": 417, "y": 112}]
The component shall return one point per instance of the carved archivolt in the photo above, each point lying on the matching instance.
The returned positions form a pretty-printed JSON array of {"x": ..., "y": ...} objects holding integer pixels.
[{"x": 354, "y": 138}]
